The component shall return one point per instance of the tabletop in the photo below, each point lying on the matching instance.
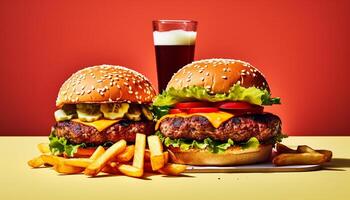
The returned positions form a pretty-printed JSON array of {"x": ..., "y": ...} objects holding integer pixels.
[{"x": 19, "y": 181}]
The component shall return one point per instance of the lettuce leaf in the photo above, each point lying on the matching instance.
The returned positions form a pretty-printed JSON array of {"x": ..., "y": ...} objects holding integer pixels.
[
  {"x": 252, "y": 95},
  {"x": 60, "y": 145},
  {"x": 215, "y": 146},
  {"x": 208, "y": 144}
]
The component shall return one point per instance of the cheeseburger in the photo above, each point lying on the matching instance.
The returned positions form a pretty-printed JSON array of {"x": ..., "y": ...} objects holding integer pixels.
[
  {"x": 212, "y": 113},
  {"x": 100, "y": 105}
]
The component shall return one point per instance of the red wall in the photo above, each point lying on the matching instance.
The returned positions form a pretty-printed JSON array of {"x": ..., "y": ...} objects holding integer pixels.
[{"x": 301, "y": 46}]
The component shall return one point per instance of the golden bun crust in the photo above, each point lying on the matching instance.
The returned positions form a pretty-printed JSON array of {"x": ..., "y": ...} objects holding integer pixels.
[
  {"x": 232, "y": 156},
  {"x": 105, "y": 83},
  {"x": 218, "y": 75}
]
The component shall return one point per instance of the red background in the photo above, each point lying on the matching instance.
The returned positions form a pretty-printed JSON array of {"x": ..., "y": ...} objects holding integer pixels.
[{"x": 301, "y": 46}]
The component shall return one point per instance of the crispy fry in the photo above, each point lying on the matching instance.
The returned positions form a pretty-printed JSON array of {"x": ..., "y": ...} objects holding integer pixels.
[
  {"x": 36, "y": 162},
  {"x": 78, "y": 162},
  {"x": 326, "y": 153},
  {"x": 97, "y": 165},
  {"x": 130, "y": 170},
  {"x": 44, "y": 148},
  {"x": 97, "y": 153},
  {"x": 299, "y": 159},
  {"x": 166, "y": 157},
  {"x": 305, "y": 149},
  {"x": 280, "y": 148},
  {"x": 51, "y": 159},
  {"x": 139, "y": 153},
  {"x": 110, "y": 170},
  {"x": 172, "y": 169},
  {"x": 67, "y": 169},
  {"x": 156, "y": 149},
  {"x": 127, "y": 155}
]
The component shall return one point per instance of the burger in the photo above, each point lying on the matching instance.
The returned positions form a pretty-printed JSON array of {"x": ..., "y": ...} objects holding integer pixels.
[
  {"x": 101, "y": 105},
  {"x": 212, "y": 113}
]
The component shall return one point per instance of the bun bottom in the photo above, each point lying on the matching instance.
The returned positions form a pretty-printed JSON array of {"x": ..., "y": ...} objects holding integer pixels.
[{"x": 232, "y": 156}]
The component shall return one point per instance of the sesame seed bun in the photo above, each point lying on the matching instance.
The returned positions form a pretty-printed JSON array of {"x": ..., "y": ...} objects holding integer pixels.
[
  {"x": 105, "y": 83},
  {"x": 232, "y": 156},
  {"x": 218, "y": 75}
]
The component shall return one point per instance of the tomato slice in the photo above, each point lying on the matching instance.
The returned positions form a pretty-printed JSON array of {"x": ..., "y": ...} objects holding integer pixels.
[
  {"x": 235, "y": 105},
  {"x": 194, "y": 104},
  {"x": 203, "y": 110},
  {"x": 175, "y": 111}
]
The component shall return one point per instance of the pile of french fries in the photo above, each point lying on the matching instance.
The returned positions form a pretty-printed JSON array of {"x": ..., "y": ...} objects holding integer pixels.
[
  {"x": 120, "y": 158},
  {"x": 303, "y": 155}
]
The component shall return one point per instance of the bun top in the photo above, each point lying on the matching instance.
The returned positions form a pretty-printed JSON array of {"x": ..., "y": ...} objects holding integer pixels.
[
  {"x": 104, "y": 84},
  {"x": 218, "y": 75}
]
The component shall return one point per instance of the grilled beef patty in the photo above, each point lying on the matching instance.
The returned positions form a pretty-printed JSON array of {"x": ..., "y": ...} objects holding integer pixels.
[
  {"x": 77, "y": 133},
  {"x": 239, "y": 129}
]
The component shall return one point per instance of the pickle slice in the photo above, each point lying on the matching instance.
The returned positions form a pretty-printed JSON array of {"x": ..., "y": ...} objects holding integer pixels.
[
  {"x": 147, "y": 113},
  {"x": 88, "y": 112},
  {"x": 134, "y": 113},
  {"x": 114, "y": 110},
  {"x": 88, "y": 117},
  {"x": 60, "y": 115},
  {"x": 69, "y": 109}
]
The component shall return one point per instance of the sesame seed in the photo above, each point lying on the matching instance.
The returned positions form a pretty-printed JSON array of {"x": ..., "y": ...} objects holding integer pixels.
[
  {"x": 202, "y": 78},
  {"x": 224, "y": 77},
  {"x": 238, "y": 82},
  {"x": 130, "y": 92},
  {"x": 207, "y": 74}
]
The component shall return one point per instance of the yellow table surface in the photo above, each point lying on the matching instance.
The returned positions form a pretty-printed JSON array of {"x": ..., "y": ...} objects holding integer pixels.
[{"x": 19, "y": 181}]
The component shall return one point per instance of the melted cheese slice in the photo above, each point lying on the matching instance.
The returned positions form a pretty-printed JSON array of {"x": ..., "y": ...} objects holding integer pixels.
[
  {"x": 100, "y": 125},
  {"x": 215, "y": 118}
]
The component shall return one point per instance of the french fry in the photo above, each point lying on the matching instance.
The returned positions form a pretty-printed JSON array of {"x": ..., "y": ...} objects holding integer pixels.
[
  {"x": 166, "y": 157},
  {"x": 172, "y": 169},
  {"x": 326, "y": 153},
  {"x": 109, "y": 170},
  {"x": 136, "y": 169},
  {"x": 305, "y": 149},
  {"x": 284, "y": 149},
  {"x": 96, "y": 166},
  {"x": 36, "y": 162},
  {"x": 51, "y": 159},
  {"x": 299, "y": 159},
  {"x": 44, "y": 148},
  {"x": 78, "y": 162},
  {"x": 130, "y": 170},
  {"x": 67, "y": 169},
  {"x": 97, "y": 153},
  {"x": 156, "y": 149},
  {"x": 139, "y": 152},
  {"x": 127, "y": 155}
]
